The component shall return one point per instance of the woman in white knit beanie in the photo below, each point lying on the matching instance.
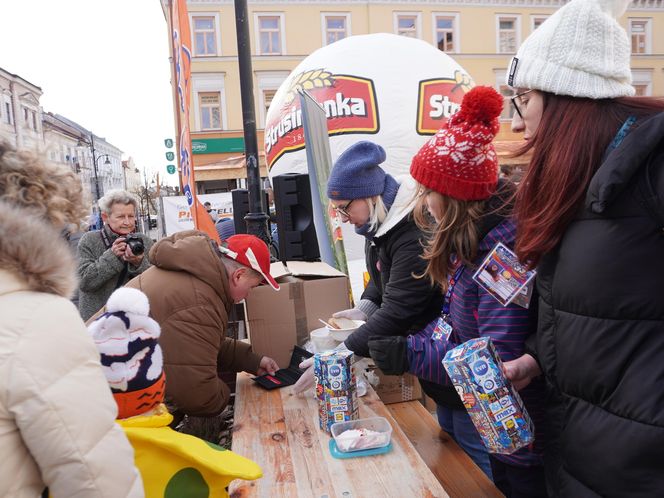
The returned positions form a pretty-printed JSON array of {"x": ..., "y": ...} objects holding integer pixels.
[{"x": 590, "y": 214}]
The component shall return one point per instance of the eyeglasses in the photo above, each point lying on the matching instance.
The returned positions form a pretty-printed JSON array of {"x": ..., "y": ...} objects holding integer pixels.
[
  {"x": 343, "y": 210},
  {"x": 516, "y": 105}
]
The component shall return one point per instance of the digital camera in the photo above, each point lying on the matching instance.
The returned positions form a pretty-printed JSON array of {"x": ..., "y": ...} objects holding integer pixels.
[{"x": 135, "y": 243}]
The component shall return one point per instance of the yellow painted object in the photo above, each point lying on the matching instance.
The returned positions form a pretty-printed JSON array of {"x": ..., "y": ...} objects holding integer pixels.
[
  {"x": 176, "y": 465},
  {"x": 366, "y": 278}
]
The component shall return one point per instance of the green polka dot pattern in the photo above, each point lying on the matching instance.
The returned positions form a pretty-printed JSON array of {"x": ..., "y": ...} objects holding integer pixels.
[{"x": 188, "y": 483}]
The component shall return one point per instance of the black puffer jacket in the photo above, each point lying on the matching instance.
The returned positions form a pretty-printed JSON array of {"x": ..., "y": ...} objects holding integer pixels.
[
  {"x": 405, "y": 304},
  {"x": 600, "y": 338}
]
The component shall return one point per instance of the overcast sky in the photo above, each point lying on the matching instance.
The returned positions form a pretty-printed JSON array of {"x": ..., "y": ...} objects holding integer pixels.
[{"x": 101, "y": 63}]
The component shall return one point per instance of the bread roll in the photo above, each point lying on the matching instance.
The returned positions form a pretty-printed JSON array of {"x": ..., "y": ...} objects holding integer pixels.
[{"x": 341, "y": 323}]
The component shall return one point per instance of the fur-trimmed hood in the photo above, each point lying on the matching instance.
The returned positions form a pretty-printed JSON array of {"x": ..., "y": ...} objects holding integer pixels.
[{"x": 35, "y": 253}]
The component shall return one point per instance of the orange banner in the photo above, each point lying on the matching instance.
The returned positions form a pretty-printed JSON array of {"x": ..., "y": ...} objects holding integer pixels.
[{"x": 182, "y": 61}]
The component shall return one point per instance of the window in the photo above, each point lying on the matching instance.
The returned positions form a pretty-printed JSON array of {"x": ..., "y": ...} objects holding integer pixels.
[
  {"x": 507, "y": 92},
  {"x": 268, "y": 95},
  {"x": 537, "y": 21},
  {"x": 445, "y": 32},
  {"x": 639, "y": 30},
  {"x": 642, "y": 82},
  {"x": 8, "y": 112},
  {"x": 641, "y": 89},
  {"x": 335, "y": 27},
  {"x": 208, "y": 101},
  {"x": 407, "y": 25},
  {"x": 270, "y": 35},
  {"x": 30, "y": 118},
  {"x": 268, "y": 83},
  {"x": 205, "y": 35},
  {"x": 508, "y": 34},
  {"x": 209, "y": 104}
]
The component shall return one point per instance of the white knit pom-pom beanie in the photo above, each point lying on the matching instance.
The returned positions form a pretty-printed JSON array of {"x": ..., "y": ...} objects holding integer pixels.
[{"x": 580, "y": 51}]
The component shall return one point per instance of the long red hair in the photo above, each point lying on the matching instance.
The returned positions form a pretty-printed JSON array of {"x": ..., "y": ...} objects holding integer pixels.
[{"x": 567, "y": 150}]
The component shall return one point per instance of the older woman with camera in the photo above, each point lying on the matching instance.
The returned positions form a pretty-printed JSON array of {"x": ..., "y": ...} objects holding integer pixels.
[{"x": 110, "y": 257}]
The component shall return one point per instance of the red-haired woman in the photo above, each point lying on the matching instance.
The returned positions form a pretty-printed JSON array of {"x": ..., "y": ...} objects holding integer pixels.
[{"x": 590, "y": 215}]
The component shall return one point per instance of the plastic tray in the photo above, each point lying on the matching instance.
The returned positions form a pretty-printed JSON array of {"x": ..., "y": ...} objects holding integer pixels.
[
  {"x": 377, "y": 424},
  {"x": 334, "y": 451}
]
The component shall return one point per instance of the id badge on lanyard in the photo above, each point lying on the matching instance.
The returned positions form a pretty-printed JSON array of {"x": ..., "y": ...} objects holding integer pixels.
[{"x": 444, "y": 329}]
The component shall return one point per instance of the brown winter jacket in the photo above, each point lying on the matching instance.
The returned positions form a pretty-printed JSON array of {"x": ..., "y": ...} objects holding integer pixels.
[{"x": 189, "y": 297}]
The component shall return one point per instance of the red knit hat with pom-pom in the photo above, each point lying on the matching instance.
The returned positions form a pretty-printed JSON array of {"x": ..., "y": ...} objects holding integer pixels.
[{"x": 460, "y": 161}]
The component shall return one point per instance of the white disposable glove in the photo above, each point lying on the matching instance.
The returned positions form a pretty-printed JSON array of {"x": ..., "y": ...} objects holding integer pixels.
[
  {"x": 351, "y": 314},
  {"x": 361, "y": 368},
  {"x": 306, "y": 381}
]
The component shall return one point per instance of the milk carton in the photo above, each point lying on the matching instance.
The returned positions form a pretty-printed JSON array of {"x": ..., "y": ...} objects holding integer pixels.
[
  {"x": 335, "y": 388},
  {"x": 493, "y": 404}
]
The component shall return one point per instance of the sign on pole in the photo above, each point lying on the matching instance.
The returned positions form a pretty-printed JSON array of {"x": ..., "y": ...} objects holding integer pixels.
[
  {"x": 319, "y": 162},
  {"x": 181, "y": 36}
]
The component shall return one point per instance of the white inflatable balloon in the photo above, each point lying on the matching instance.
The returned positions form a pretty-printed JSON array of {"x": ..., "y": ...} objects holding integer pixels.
[{"x": 393, "y": 90}]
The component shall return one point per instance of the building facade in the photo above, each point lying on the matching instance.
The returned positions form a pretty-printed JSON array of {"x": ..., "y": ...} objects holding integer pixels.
[
  {"x": 482, "y": 35},
  {"x": 20, "y": 112},
  {"x": 131, "y": 175},
  {"x": 63, "y": 145},
  {"x": 24, "y": 124},
  {"x": 70, "y": 144}
]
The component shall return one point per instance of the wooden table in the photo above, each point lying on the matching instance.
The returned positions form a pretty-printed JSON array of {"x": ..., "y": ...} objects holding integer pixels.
[
  {"x": 279, "y": 430},
  {"x": 450, "y": 464}
]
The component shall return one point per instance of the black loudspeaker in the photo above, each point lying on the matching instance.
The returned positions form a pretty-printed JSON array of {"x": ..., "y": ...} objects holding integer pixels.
[
  {"x": 240, "y": 197},
  {"x": 295, "y": 218}
]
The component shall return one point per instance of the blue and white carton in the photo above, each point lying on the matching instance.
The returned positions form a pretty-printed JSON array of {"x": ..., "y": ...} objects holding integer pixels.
[
  {"x": 493, "y": 404},
  {"x": 335, "y": 388}
]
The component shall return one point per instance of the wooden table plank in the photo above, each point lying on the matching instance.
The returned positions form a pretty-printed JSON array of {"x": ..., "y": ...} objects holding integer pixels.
[
  {"x": 279, "y": 431},
  {"x": 450, "y": 464}
]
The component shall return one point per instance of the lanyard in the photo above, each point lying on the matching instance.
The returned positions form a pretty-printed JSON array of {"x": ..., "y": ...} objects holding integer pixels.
[
  {"x": 450, "y": 289},
  {"x": 108, "y": 242},
  {"x": 620, "y": 136}
]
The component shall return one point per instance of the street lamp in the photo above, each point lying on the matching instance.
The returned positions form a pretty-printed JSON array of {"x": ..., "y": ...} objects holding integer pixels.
[
  {"x": 146, "y": 193},
  {"x": 95, "y": 162}
]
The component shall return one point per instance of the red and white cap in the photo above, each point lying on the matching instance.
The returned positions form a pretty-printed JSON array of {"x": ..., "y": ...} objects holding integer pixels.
[{"x": 249, "y": 250}]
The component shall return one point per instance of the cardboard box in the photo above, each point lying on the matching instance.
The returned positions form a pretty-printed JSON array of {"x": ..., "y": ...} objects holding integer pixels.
[
  {"x": 279, "y": 320},
  {"x": 429, "y": 404},
  {"x": 397, "y": 388}
]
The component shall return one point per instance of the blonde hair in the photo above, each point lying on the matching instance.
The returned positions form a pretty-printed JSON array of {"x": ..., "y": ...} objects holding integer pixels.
[
  {"x": 456, "y": 234},
  {"x": 116, "y": 196},
  {"x": 46, "y": 190},
  {"x": 377, "y": 211}
]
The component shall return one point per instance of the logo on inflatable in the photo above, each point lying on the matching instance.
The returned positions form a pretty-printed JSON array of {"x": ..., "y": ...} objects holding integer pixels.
[
  {"x": 438, "y": 99},
  {"x": 349, "y": 103}
]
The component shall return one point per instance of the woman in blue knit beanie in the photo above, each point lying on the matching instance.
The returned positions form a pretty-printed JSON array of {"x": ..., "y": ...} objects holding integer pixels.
[
  {"x": 394, "y": 303},
  {"x": 360, "y": 190}
]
